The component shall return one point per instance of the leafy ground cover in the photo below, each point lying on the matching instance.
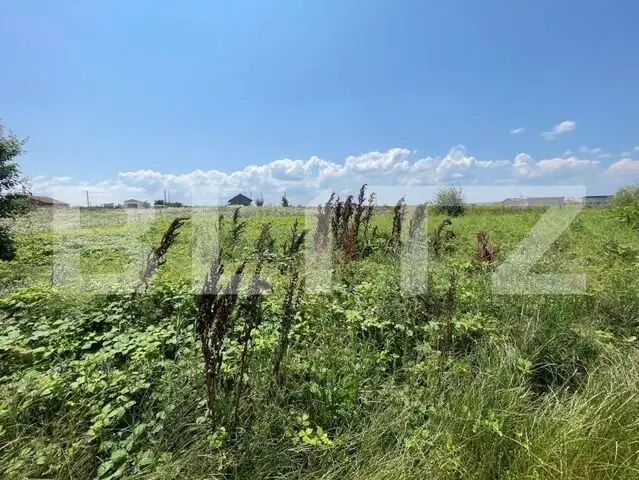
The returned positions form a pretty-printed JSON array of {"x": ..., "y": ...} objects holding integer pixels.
[{"x": 375, "y": 382}]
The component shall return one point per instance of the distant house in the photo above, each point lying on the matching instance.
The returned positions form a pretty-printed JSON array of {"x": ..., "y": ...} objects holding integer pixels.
[
  {"x": 48, "y": 202},
  {"x": 597, "y": 200},
  {"x": 132, "y": 203},
  {"x": 534, "y": 201},
  {"x": 588, "y": 200},
  {"x": 240, "y": 200}
]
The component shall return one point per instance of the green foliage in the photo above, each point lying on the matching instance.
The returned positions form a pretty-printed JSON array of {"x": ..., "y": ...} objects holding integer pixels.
[
  {"x": 377, "y": 382},
  {"x": 13, "y": 189},
  {"x": 284, "y": 201},
  {"x": 449, "y": 201},
  {"x": 626, "y": 204}
]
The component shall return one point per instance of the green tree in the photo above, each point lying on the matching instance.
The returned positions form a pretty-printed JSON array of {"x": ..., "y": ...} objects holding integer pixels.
[
  {"x": 626, "y": 204},
  {"x": 449, "y": 201},
  {"x": 13, "y": 189},
  {"x": 284, "y": 201}
]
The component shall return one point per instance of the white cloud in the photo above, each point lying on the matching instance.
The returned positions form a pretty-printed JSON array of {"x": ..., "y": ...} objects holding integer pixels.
[
  {"x": 524, "y": 167},
  {"x": 605, "y": 155},
  {"x": 559, "y": 129},
  {"x": 591, "y": 151},
  {"x": 302, "y": 179},
  {"x": 624, "y": 168},
  {"x": 517, "y": 131},
  {"x": 635, "y": 149}
]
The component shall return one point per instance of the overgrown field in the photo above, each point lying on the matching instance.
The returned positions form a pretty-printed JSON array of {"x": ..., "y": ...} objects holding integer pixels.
[{"x": 232, "y": 362}]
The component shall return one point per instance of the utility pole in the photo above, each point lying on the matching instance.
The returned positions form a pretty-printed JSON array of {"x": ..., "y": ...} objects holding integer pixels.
[
  {"x": 88, "y": 203},
  {"x": 169, "y": 196},
  {"x": 165, "y": 196}
]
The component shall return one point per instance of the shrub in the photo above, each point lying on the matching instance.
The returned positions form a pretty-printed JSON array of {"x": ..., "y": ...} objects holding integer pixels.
[
  {"x": 626, "y": 204},
  {"x": 13, "y": 189},
  {"x": 450, "y": 201},
  {"x": 7, "y": 249}
]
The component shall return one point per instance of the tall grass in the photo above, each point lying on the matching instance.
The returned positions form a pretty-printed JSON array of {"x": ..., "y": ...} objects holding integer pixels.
[{"x": 255, "y": 377}]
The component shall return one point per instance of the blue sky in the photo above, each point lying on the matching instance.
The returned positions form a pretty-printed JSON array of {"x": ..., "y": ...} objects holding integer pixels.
[{"x": 128, "y": 98}]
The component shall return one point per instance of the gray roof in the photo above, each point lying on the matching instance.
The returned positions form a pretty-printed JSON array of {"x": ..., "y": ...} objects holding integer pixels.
[
  {"x": 47, "y": 200},
  {"x": 239, "y": 196},
  {"x": 535, "y": 201}
]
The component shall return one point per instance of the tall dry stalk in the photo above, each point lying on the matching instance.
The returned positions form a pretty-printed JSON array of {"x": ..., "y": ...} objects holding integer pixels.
[
  {"x": 360, "y": 208},
  {"x": 399, "y": 211},
  {"x": 347, "y": 212},
  {"x": 485, "y": 252},
  {"x": 237, "y": 227},
  {"x": 368, "y": 214},
  {"x": 213, "y": 323},
  {"x": 292, "y": 296},
  {"x": 252, "y": 310},
  {"x": 417, "y": 221},
  {"x": 324, "y": 218},
  {"x": 336, "y": 220},
  {"x": 440, "y": 236},
  {"x": 157, "y": 256}
]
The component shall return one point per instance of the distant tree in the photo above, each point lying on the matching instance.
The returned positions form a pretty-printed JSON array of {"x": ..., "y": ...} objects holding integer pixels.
[
  {"x": 14, "y": 190},
  {"x": 626, "y": 204},
  {"x": 162, "y": 203},
  {"x": 450, "y": 201},
  {"x": 628, "y": 195},
  {"x": 284, "y": 201},
  {"x": 259, "y": 201}
]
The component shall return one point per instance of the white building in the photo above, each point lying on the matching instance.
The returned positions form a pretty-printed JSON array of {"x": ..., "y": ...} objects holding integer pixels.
[{"x": 132, "y": 203}]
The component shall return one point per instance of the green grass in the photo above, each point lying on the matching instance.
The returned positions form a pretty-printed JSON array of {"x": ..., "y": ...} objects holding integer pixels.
[{"x": 96, "y": 382}]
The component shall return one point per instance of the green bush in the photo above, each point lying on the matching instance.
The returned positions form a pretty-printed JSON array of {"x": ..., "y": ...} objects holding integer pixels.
[
  {"x": 450, "y": 201},
  {"x": 13, "y": 189},
  {"x": 7, "y": 249},
  {"x": 626, "y": 204}
]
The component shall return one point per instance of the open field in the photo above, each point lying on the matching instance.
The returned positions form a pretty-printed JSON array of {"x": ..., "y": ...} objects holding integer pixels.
[{"x": 458, "y": 380}]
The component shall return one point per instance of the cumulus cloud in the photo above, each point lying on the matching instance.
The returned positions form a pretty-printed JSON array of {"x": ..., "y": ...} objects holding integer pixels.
[
  {"x": 517, "y": 131},
  {"x": 524, "y": 167},
  {"x": 625, "y": 168},
  {"x": 303, "y": 179},
  {"x": 560, "y": 129},
  {"x": 594, "y": 152},
  {"x": 591, "y": 151}
]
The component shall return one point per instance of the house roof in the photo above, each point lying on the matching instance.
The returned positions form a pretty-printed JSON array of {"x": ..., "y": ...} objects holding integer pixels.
[
  {"x": 47, "y": 200},
  {"x": 239, "y": 196},
  {"x": 531, "y": 201},
  {"x": 545, "y": 200},
  {"x": 133, "y": 200}
]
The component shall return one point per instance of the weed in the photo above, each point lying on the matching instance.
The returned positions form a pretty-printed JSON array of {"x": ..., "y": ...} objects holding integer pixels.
[
  {"x": 252, "y": 312},
  {"x": 485, "y": 252},
  {"x": 324, "y": 218},
  {"x": 157, "y": 256},
  {"x": 394, "y": 242},
  {"x": 441, "y": 236},
  {"x": 213, "y": 323},
  {"x": 294, "y": 289},
  {"x": 417, "y": 221}
]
